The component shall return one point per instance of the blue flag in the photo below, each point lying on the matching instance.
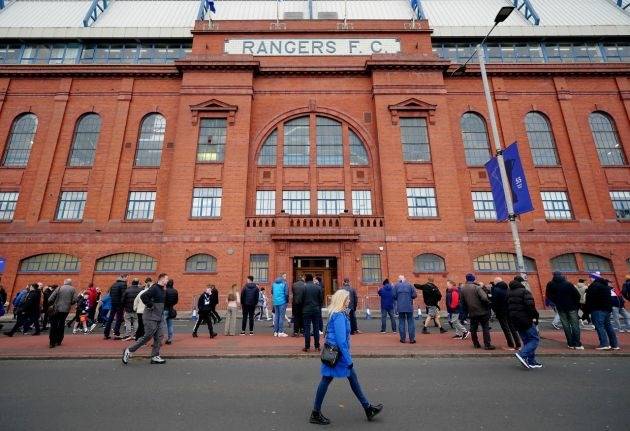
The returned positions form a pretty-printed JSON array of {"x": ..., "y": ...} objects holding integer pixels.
[
  {"x": 2, "y": 261},
  {"x": 414, "y": 5},
  {"x": 518, "y": 184},
  {"x": 210, "y": 6}
]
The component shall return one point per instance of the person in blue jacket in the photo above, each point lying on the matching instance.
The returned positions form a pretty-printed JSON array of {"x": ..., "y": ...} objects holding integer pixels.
[
  {"x": 387, "y": 305},
  {"x": 338, "y": 334}
]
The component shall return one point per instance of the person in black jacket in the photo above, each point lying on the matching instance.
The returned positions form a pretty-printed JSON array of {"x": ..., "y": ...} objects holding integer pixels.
[
  {"x": 204, "y": 307},
  {"x": 28, "y": 309},
  {"x": 432, "y": 296},
  {"x": 171, "y": 297},
  {"x": 214, "y": 301},
  {"x": 117, "y": 311},
  {"x": 130, "y": 316},
  {"x": 524, "y": 316},
  {"x": 499, "y": 294},
  {"x": 599, "y": 304},
  {"x": 352, "y": 308},
  {"x": 48, "y": 290},
  {"x": 312, "y": 303},
  {"x": 566, "y": 298},
  {"x": 296, "y": 306},
  {"x": 249, "y": 300}
]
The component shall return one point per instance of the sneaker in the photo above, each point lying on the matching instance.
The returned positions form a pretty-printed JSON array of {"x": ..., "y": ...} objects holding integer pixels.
[
  {"x": 556, "y": 326},
  {"x": 489, "y": 347},
  {"x": 371, "y": 411},
  {"x": 459, "y": 337},
  {"x": 616, "y": 348},
  {"x": 466, "y": 335},
  {"x": 251, "y": 332},
  {"x": 282, "y": 335},
  {"x": 157, "y": 360},
  {"x": 92, "y": 327},
  {"x": 412, "y": 342},
  {"x": 571, "y": 347},
  {"x": 535, "y": 364},
  {"x": 242, "y": 332},
  {"x": 125, "y": 357},
  {"x": 318, "y": 418},
  {"x": 579, "y": 348},
  {"x": 442, "y": 330},
  {"x": 275, "y": 334},
  {"x": 74, "y": 331},
  {"x": 521, "y": 359},
  {"x": 383, "y": 332},
  {"x": 321, "y": 333},
  {"x": 603, "y": 348},
  {"x": 425, "y": 330}
]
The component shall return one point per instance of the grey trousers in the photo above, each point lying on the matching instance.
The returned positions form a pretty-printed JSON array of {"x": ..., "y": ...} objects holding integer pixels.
[
  {"x": 152, "y": 329},
  {"x": 131, "y": 323},
  {"x": 459, "y": 328}
]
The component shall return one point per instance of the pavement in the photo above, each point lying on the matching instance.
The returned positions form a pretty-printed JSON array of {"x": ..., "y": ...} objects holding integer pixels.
[
  {"x": 369, "y": 344},
  {"x": 455, "y": 394}
]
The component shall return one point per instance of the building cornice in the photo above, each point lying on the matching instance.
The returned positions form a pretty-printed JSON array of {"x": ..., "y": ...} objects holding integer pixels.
[{"x": 545, "y": 69}]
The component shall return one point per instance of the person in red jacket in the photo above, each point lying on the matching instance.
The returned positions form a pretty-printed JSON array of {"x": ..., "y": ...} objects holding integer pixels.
[{"x": 454, "y": 309}]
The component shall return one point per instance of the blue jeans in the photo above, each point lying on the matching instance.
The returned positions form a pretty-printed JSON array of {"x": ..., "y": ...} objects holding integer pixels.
[
  {"x": 405, "y": 319},
  {"x": 354, "y": 385},
  {"x": 169, "y": 326},
  {"x": 278, "y": 317},
  {"x": 384, "y": 314},
  {"x": 617, "y": 315},
  {"x": 605, "y": 332},
  {"x": 530, "y": 340}
]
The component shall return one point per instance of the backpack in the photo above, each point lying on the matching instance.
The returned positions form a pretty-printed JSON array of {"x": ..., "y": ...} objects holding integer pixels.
[{"x": 454, "y": 299}]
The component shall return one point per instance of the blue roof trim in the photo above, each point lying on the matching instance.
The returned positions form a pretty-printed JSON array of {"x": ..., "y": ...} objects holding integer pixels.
[
  {"x": 96, "y": 8},
  {"x": 526, "y": 8}
]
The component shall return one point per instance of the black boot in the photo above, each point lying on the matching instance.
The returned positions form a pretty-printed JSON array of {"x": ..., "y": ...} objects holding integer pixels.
[
  {"x": 371, "y": 411},
  {"x": 194, "y": 335},
  {"x": 318, "y": 418}
]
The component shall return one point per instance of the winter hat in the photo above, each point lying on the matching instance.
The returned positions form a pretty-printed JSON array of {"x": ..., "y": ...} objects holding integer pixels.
[
  {"x": 595, "y": 275},
  {"x": 470, "y": 277},
  {"x": 521, "y": 279}
]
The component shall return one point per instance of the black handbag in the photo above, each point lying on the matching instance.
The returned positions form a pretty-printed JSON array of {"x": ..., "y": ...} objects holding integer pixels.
[
  {"x": 330, "y": 353},
  {"x": 172, "y": 313}
]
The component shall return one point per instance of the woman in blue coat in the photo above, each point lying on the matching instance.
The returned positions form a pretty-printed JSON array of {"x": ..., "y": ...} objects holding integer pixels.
[{"x": 338, "y": 334}]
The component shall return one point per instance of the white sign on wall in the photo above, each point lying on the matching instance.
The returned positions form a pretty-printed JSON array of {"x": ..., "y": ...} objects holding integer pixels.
[{"x": 311, "y": 47}]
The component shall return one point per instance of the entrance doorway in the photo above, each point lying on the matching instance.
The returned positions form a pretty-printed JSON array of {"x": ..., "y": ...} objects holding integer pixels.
[{"x": 322, "y": 268}]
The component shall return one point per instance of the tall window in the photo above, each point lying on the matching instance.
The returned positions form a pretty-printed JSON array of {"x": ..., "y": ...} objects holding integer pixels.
[
  {"x": 20, "y": 141},
  {"x": 296, "y": 202},
  {"x": 201, "y": 263},
  {"x": 296, "y": 142},
  {"x": 141, "y": 206},
  {"x": 475, "y": 137},
  {"x": 415, "y": 140},
  {"x": 606, "y": 140},
  {"x": 267, "y": 155},
  {"x": 371, "y": 268},
  {"x": 621, "y": 204},
  {"x": 358, "y": 153},
  {"x": 71, "y": 205},
  {"x": 206, "y": 202},
  {"x": 556, "y": 205},
  {"x": 265, "y": 202},
  {"x": 564, "y": 263},
  {"x": 149, "y": 151},
  {"x": 540, "y": 140},
  {"x": 361, "y": 202},
  {"x": 330, "y": 202},
  {"x": 212, "y": 135},
  {"x": 483, "y": 204},
  {"x": 259, "y": 267},
  {"x": 85, "y": 140},
  {"x": 421, "y": 202},
  {"x": 50, "y": 262},
  {"x": 428, "y": 262},
  {"x": 501, "y": 262},
  {"x": 8, "y": 202},
  {"x": 329, "y": 145},
  {"x": 126, "y": 262}
]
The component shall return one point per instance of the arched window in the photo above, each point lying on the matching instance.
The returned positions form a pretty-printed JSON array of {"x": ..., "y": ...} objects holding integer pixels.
[
  {"x": 296, "y": 142},
  {"x": 126, "y": 262},
  {"x": 201, "y": 263},
  {"x": 594, "y": 263},
  {"x": 267, "y": 155},
  {"x": 85, "y": 139},
  {"x": 329, "y": 145},
  {"x": 475, "y": 137},
  {"x": 20, "y": 141},
  {"x": 149, "y": 150},
  {"x": 540, "y": 139},
  {"x": 50, "y": 262},
  {"x": 606, "y": 139},
  {"x": 358, "y": 153},
  {"x": 501, "y": 262},
  {"x": 428, "y": 262},
  {"x": 564, "y": 263}
]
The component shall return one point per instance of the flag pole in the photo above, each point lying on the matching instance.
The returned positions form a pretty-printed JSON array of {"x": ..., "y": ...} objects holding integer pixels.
[
  {"x": 345, "y": 12},
  {"x": 277, "y": 11}
]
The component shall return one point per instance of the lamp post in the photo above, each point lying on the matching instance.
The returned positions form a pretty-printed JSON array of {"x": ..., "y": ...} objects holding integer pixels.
[{"x": 504, "y": 12}]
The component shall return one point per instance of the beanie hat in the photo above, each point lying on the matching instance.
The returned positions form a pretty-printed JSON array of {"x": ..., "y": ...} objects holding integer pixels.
[
  {"x": 470, "y": 277},
  {"x": 595, "y": 275}
]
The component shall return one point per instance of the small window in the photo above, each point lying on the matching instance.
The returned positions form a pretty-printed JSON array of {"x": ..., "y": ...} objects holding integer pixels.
[
  {"x": 483, "y": 204},
  {"x": 594, "y": 263},
  {"x": 421, "y": 202},
  {"x": 621, "y": 204},
  {"x": 415, "y": 140},
  {"x": 293, "y": 15},
  {"x": 206, "y": 202},
  {"x": 20, "y": 141},
  {"x": 330, "y": 202},
  {"x": 267, "y": 155},
  {"x": 327, "y": 15},
  {"x": 606, "y": 139},
  {"x": 329, "y": 145},
  {"x": 296, "y": 142},
  {"x": 556, "y": 205},
  {"x": 371, "y": 268},
  {"x": 71, "y": 205},
  {"x": 201, "y": 263},
  {"x": 212, "y": 138},
  {"x": 358, "y": 153},
  {"x": 259, "y": 267},
  {"x": 141, "y": 205},
  {"x": 540, "y": 139},
  {"x": 296, "y": 202},
  {"x": 126, "y": 262},
  {"x": 361, "y": 202},
  {"x": 149, "y": 151},
  {"x": 85, "y": 140},
  {"x": 564, "y": 263},
  {"x": 429, "y": 263},
  {"x": 50, "y": 262},
  {"x": 475, "y": 137},
  {"x": 501, "y": 262},
  {"x": 265, "y": 202},
  {"x": 8, "y": 202}
]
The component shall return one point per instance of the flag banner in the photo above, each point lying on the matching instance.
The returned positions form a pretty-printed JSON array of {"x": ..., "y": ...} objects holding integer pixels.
[
  {"x": 210, "y": 6},
  {"x": 518, "y": 184},
  {"x": 2, "y": 263}
]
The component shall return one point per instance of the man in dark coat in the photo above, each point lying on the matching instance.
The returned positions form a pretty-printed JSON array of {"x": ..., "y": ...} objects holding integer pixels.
[
  {"x": 249, "y": 300},
  {"x": 214, "y": 301},
  {"x": 476, "y": 301},
  {"x": 599, "y": 304},
  {"x": 567, "y": 301},
  {"x": 204, "y": 307},
  {"x": 28, "y": 310},
  {"x": 352, "y": 306},
  {"x": 297, "y": 290},
  {"x": 117, "y": 310},
  {"x": 130, "y": 316},
  {"x": 432, "y": 296},
  {"x": 524, "y": 317},
  {"x": 500, "y": 306},
  {"x": 312, "y": 303}
]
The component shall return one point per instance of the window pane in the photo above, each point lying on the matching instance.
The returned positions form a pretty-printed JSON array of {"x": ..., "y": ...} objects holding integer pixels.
[
  {"x": 265, "y": 202},
  {"x": 415, "y": 140},
  {"x": 362, "y": 202},
  {"x": 149, "y": 151},
  {"x": 85, "y": 140},
  {"x": 564, "y": 263},
  {"x": 621, "y": 204},
  {"x": 371, "y": 268},
  {"x": 126, "y": 262},
  {"x": 358, "y": 153},
  {"x": 421, "y": 202},
  {"x": 141, "y": 206},
  {"x": 296, "y": 202},
  {"x": 51, "y": 262},
  {"x": 483, "y": 204},
  {"x": 71, "y": 205},
  {"x": 212, "y": 137},
  {"x": 556, "y": 205},
  {"x": 201, "y": 263},
  {"x": 8, "y": 202},
  {"x": 540, "y": 140},
  {"x": 20, "y": 141},
  {"x": 429, "y": 263},
  {"x": 259, "y": 267},
  {"x": 475, "y": 137},
  {"x": 606, "y": 140},
  {"x": 206, "y": 202},
  {"x": 501, "y": 262},
  {"x": 330, "y": 202},
  {"x": 594, "y": 263},
  {"x": 329, "y": 145},
  {"x": 296, "y": 142},
  {"x": 267, "y": 156}
]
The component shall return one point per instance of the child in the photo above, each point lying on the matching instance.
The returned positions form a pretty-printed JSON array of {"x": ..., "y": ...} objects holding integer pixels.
[
  {"x": 83, "y": 307},
  {"x": 233, "y": 302}
]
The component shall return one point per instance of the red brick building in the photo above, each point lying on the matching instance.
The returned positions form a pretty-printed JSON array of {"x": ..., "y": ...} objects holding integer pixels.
[{"x": 304, "y": 145}]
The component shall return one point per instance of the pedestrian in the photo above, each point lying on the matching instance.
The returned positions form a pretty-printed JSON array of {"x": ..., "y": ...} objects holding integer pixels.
[
  {"x": 28, "y": 309},
  {"x": 233, "y": 302},
  {"x": 566, "y": 298},
  {"x": 48, "y": 290},
  {"x": 524, "y": 316},
  {"x": 454, "y": 308},
  {"x": 249, "y": 299},
  {"x": 280, "y": 300},
  {"x": 599, "y": 304},
  {"x": 204, "y": 307},
  {"x": 116, "y": 312},
  {"x": 214, "y": 301},
  {"x": 3, "y": 300},
  {"x": 297, "y": 291},
  {"x": 386, "y": 292},
  {"x": 17, "y": 301},
  {"x": 261, "y": 307},
  {"x": 625, "y": 290},
  {"x": 130, "y": 315},
  {"x": 619, "y": 311},
  {"x": 153, "y": 318},
  {"x": 170, "y": 300},
  {"x": 432, "y": 296},
  {"x": 499, "y": 292},
  {"x": 318, "y": 282},
  {"x": 338, "y": 335},
  {"x": 82, "y": 313},
  {"x": 476, "y": 301},
  {"x": 404, "y": 294},
  {"x": 312, "y": 302},
  {"x": 60, "y": 301},
  {"x": 581, "y": 287},
  {"x": 352, "y": 310},
  {"x": 138, "y": 307},
  {"x": 94, "y": 294},
  {"x": 556, "y": 317}
]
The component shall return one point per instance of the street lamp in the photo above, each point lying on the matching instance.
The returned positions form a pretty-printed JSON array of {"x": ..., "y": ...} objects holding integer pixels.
[{"x": 504, "y": 12}]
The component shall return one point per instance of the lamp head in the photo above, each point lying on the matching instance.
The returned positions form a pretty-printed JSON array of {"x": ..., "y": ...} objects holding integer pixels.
[{"x": 504, "y": 12}]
